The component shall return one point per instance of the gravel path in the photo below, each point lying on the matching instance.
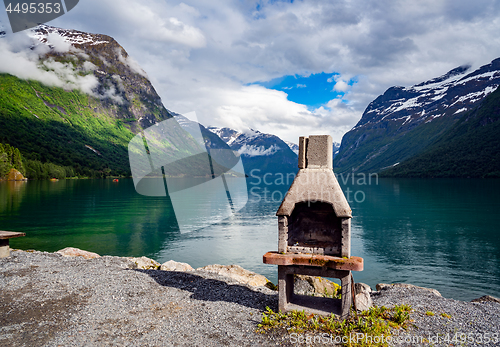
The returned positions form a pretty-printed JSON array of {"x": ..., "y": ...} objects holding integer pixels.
[{"x": 50, "y": 300}]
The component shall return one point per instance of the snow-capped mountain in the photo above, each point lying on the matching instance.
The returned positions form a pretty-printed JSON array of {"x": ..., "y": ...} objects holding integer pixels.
[
  {"x": 264, "y": 152},
  {"x": 294, "y": 147},
  {"x": 405, "y": 120}
]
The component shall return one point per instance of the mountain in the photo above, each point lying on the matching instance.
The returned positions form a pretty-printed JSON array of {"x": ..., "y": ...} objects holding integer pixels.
[
  {"x": 471, "y": 148},
  {"x": 102, "y": 98},
  {"x": 261, "y": 153},
  {"x": 403, "y": 122},
  {"x": 294, "y": 147}
]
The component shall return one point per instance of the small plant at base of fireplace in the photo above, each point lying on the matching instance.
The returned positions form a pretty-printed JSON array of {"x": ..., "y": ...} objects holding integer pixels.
[
  {"x": 336, "y": 295},
  {"x": 377, "y": 321}
]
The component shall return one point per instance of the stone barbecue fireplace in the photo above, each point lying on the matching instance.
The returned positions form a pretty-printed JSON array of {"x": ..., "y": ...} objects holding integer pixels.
[{"x": 314, "y": 231}]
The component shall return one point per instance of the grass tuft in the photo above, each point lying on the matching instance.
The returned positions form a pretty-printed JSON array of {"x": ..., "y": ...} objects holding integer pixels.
[{"x": 375, "y": 322}]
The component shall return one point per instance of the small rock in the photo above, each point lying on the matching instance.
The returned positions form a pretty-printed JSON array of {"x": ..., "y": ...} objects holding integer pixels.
[
  {"x": 237, "y": 273},
  {"x": 362, "y": 288},
  {"x": 363, "y": 301},
  {"x": 175, "y": 266},
  {"x": 486, "y": 298},
  {"x": 384, "y": 286},
  {"x": 302, "y": 287},
  {"x": 144, "y": 263},
  {"x": 75, "y": 252}
]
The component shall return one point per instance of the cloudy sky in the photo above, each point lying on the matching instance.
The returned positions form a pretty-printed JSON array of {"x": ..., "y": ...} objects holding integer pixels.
[{"x": 290, "y": 68}]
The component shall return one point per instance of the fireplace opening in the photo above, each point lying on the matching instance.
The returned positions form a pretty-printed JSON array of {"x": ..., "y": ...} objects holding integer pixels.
[{"x": 313, "y": 227}]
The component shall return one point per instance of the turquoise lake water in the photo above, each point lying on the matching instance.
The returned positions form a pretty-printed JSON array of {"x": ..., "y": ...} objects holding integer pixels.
[{"x": 439, "y": 233}]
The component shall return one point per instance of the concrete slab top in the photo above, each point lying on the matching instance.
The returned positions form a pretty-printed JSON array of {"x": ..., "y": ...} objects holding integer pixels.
[
  {"x": 10, "y": 234},
  {"x": 337, "y": 263}
]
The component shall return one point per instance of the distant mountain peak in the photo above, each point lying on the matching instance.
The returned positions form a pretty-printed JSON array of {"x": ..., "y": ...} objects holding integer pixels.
[
  {"x": 451, "y": 75},
  {"x": 71, "y": 36},
  {"x": 264, "y": 152}
]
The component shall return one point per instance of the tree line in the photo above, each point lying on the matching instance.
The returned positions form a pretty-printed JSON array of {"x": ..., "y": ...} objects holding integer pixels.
[{"x": 11, "y": 158}]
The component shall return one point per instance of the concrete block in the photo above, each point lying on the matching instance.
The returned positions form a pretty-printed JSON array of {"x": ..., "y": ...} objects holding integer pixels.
[
  {"x": 283, "y": 221},
  {"x": 282, "y": 246},
  {"x": 302, "y": 152},
  {"x": 346, "y": 238},
  {"x": 4, "y": 248},
  {"x": 319, "y": 153}
]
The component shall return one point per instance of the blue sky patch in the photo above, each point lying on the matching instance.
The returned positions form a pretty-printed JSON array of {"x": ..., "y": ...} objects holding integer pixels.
[{"x": 314, "y": 90}]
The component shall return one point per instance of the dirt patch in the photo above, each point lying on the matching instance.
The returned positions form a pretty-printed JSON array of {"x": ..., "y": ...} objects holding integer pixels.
[{"x": 28, "y": 323}]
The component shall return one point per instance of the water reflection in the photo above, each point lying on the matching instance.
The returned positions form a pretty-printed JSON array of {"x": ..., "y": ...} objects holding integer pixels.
[
  {"x": 430, "y": 232},
  {"x": 11, "y": 194}
]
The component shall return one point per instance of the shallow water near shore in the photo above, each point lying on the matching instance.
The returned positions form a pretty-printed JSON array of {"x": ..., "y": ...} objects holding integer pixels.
[{"x": 438, "y": 233}]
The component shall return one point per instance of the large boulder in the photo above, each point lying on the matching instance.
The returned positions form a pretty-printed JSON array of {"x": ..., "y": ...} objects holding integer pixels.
[
  {"x": 487, "y": 298},
  {"x": 316, "y": 286},
  {"x": 384, "y": 286},
  {"x": 175, "y": 266},
  {"x": 237, "y": 273},
  {"x": 144, "y": 263},
  {"x": 15, "y": 175},
  {"x": 76, "y": 252}
]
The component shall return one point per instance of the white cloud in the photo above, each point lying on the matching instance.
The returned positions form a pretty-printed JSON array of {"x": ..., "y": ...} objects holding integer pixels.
[
  {"x": 341, "y": 86},
  {"x": 58, "y": 43},
  {"x": 18, "y": 60},
  {"x": 130, "y": 62}
]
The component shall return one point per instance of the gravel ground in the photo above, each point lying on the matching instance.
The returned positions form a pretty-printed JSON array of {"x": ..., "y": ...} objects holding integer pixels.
[
  {"x": 470, "y": 323},
  {"x": 50, "y": 300}
]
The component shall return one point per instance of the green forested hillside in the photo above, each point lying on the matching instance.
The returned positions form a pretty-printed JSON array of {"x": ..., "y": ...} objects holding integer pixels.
[
  {"x": 67, "y": 128},
  {"x": 471, "y": 148}
]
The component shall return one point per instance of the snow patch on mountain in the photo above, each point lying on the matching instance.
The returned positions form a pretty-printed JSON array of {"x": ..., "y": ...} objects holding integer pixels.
[
  {"x": 473, "y": 97},
  {"x": 254, "y": 151},
  {"x": 227, "y": 135},
  {"x": 73, "y": 37},
  {"x": 461, "y": 110}
]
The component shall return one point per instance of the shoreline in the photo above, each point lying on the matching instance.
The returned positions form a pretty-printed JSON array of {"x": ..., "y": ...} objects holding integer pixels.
[{"x": 51, "y": 299}]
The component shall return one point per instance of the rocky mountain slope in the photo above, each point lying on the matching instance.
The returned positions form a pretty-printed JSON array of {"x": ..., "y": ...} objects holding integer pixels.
[
  {"x": 403, "y": 122},
  {"x": 262, "y": 153},
  {"x": 88, "y": 122},
  {"x": 471, "y": 148}
]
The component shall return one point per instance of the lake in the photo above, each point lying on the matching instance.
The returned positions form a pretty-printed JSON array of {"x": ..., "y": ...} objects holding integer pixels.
[{"x": 438, "y": 233}]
